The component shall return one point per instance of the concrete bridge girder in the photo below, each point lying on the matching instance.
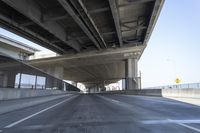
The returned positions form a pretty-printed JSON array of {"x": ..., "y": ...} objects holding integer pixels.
[{"x": 95, "y": 67}]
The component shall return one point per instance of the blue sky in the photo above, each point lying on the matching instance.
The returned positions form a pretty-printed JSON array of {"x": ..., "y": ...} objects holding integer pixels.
[{"x": 173, "y": 49}]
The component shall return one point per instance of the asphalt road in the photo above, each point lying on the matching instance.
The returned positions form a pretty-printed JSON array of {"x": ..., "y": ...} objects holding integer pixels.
[{"x": 104, "y": 114}]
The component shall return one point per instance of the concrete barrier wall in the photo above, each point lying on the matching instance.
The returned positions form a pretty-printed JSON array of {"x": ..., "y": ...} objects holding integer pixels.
[
  {"x": 15, "y": 104},
  {"x": 154, "y": 92},
  {"x": 179, "y": 93},
  {"x": 147, "y": 92},
  {"x": 12, "y": 93}
]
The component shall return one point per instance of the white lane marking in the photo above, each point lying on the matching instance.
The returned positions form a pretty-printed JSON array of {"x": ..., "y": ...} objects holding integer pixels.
[
  {"x": 179, "y": 122},
  {"x": 30, "y": 116},
  {"x": 156, "y": 122},
  {"x": 190, "y": 127},
  {"x": 171, "y": 121},
  {"x": 115, "y": 101},
  {"x": 109, "y": 99},
  {"x": 119, "y": 103}
]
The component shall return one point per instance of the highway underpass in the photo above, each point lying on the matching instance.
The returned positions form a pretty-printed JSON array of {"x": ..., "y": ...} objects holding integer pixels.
[
  {"x": 99, "y": 42},
  {"x": 104, "y": 114}
]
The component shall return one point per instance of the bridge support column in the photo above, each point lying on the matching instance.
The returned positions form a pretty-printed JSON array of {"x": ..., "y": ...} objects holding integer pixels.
[
  {"x": 101, "y": 87},
  {"x": 64, "y": 86},
  {"x": 57, "y": 72},
  {"x": 74, "y": 83},
  {"x": 131, "y": 69},
  {"x": 8, "y": 79},
  {"x": 98, "y": 89}
]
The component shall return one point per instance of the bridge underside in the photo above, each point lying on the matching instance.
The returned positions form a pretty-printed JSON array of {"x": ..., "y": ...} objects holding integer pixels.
[
  {"x": 91, "y": 68},
  {"x": 85, "y": 28},
  {"x": 71, "y": 26}
]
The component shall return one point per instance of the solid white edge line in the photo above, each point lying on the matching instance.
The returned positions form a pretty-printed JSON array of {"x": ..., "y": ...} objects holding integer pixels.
[
  {"x": 190, "y": 127},
  {"x": 30, "y": 116}
]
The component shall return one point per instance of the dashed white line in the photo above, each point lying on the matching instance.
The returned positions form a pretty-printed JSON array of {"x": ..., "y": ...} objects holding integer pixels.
[
  {"x": 30, "y": 116},
  {"x": 109, "y": 99},
  {"x": 115, "y": 101}
]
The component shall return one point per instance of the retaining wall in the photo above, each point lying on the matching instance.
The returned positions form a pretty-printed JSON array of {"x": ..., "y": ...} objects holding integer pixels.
[
  {"x": 182, "y": 93},
  {"x": 6, "y": 93}
]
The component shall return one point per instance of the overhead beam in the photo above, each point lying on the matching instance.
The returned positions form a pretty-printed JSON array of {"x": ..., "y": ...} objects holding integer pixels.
[
  {"x": 85, "y": 37},
  {"x": 107, "y": 52},
  {"x": 106, "y": 33},
  {"x": 129, "y": 28},
  {"x": 139, "y": 1},
  {"x": 23, "y": 31},
  {"x": 31, "y": 10},
  {"x": 27, "y": 23},
  {"x": 55, "y": 14},
  {"x": 94, "y": 11},
  {"x": 92, "y": 81},
  {"x": 93, "y": 24},
  {"x": 115, "y": 15},
  {"x": 132, "y": 2},
  {"x": 71, "y": 12},
  {"x": 55, "y": 17},
  {"x": 46, "y": 18}
]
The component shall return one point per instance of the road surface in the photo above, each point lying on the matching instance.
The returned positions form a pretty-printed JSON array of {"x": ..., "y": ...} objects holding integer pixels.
[{"x": 104, "y": 114}]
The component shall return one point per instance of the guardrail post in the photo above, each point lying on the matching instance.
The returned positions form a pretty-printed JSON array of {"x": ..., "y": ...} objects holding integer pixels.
[
  {"x": 19, "y": 85},
  {"x": 35, "y": 81}
]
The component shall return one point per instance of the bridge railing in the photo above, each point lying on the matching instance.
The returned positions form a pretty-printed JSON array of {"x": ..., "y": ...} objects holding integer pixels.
[
  {"x": 16, "y": 74},
  {"x": 178, "y": 86}
]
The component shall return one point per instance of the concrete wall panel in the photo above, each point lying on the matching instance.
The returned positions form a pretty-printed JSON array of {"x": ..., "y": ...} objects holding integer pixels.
[
  {"x": 6, "y": 93},
  {"x": 179, "y": 93}
]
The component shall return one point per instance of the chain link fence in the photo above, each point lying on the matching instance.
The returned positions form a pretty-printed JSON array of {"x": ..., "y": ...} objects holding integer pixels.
[{"x": 178, "y": 86}]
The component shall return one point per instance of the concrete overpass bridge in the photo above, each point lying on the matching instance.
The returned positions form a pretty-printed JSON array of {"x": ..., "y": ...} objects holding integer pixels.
[
  {"x": 15, "y": 49},
  {"x": 95, "y": 68},
  {"x": 98, "y": 40}
]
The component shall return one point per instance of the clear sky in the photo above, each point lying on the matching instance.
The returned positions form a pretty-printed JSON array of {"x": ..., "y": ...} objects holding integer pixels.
[{"x": 173, "y": 49}]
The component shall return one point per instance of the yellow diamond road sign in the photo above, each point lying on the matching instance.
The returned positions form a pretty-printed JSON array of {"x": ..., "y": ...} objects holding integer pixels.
[{"x": 177, "y": 80}]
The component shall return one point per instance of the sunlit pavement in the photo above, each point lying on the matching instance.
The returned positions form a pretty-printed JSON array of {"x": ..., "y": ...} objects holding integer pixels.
[
  {"x": 104, "y": 114},
  {"x": 194, "y": 101}
]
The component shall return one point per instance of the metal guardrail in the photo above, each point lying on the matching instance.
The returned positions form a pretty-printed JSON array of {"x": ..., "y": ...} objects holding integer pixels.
[{"x": 177, "y": 86}]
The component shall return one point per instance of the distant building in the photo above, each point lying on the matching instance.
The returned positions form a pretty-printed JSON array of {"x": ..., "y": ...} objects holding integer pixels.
[{"x": 15, "y": 48}]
